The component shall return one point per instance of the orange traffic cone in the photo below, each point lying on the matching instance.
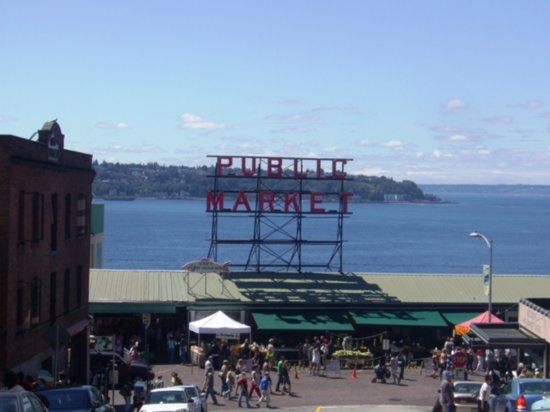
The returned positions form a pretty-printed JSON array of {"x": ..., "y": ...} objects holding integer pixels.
[
  {"x": 354, "y": 374},
  {"x": 296, "y": 373}
]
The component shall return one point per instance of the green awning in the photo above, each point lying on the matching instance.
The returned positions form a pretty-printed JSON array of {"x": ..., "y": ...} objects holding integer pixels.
[
  {"x": 398, "y": 317},
  {"x": 458, "y": 317},
  {"x": 131, "y": 307},
  {"x": 306, "y": 320}
]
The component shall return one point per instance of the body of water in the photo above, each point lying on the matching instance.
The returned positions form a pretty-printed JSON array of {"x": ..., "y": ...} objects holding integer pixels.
[{"x": 404, "y": 238}]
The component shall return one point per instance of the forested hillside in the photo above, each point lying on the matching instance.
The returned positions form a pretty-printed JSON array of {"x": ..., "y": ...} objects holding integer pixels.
[{"x": 117, "y": 180}]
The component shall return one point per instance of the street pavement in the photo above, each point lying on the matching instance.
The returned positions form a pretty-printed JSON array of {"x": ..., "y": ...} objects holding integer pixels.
[{"x": 332, "y": 392}]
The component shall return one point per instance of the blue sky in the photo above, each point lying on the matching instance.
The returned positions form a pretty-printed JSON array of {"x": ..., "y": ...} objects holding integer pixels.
[{"x": 430, "y": 91}]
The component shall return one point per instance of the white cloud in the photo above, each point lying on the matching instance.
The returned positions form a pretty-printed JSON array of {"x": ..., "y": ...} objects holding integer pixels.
[
  {"x": 295, "y": 129},
  {"x": 117, "y": 148},
  {"x": 458, "y": 138},
  {"x": 455, "y": 103},
  {"x": 110, "y": 125},
  {"x": 192, "y": 121},
  {"x": 499, "y": 119},
  {"x": 393, "y": 144},
  {"x": 6, "y": 119},
  {"x": 365, "y": 142},
  {"x": 440, "y": 154},
  {"x": 373, "y": 171},
  {"x": 294, "y": 117},
  {"x": 530, "y": 104}
]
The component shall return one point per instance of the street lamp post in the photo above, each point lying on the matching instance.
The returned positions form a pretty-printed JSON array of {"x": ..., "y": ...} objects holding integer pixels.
[{"x": 489, "y": 243}]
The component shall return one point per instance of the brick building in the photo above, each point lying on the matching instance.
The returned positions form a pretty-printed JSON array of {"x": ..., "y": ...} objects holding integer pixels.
[{"x": 45, "y": 203}]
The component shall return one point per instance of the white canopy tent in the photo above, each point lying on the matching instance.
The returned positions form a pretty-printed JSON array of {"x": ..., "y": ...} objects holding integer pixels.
[{"x": 218, "y": 322}]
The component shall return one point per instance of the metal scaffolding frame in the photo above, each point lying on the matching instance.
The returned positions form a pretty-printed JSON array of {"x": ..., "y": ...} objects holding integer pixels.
[{"x": 277, "y": 241}]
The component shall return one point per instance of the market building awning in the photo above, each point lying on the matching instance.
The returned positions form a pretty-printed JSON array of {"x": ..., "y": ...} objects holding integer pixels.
[
  {"x": 458, "y": 317},
  {"x": 501, "y": 335},
  {"x": 398, "y": 318},
  {"x": 306, "y": 320},
  {"x": 131, "y": 307}
]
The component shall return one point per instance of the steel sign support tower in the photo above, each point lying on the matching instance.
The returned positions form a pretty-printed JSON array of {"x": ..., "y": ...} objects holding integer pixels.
[{"x": 277, "y": 240}]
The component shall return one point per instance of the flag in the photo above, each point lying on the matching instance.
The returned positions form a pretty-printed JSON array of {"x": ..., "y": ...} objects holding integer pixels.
[{"x": 486, "y": 279}]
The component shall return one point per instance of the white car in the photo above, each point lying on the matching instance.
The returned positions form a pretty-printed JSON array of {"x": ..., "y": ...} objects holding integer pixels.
[
  {"x": 170, "y": 399},
  {"x": 543, "y": 404}
]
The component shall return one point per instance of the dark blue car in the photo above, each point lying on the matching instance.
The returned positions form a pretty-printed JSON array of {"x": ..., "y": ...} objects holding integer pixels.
[{"x": 75, "y": 399}]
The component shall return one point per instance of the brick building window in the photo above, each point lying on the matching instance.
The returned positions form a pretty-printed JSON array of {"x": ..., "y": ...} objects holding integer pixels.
[
  {"x": 21, "y": 218},
  {"x": 81, "y": 215},
  {"x": 37, "y": 216},
  {"x": 67, "y": 290},
  {"x": 53, "y": 296},
  {"x": 20, "y": 309},
  {"x": 36, "y": 300},
  {"x": 53, "y": 224},
  {"x": 79, "y": 286},
  {"x": 68, "y": 201}
]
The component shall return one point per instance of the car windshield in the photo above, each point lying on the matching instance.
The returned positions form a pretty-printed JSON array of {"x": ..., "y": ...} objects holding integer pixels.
[
  {"x": 8, "y": 404},
  {"x": 192, "y": 392},
  {"x": 66, "y": 400},
  {"x": 467, "y": 387},
  {"x": 166, "y": 397},
  {"x": 534, "y": 387}
]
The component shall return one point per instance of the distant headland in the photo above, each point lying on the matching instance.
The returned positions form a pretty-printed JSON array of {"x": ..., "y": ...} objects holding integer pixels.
[{"x": 132, "y": 180}]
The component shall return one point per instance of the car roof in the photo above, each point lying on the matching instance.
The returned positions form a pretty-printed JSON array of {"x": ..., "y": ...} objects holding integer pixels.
[
  {"x": 64, "y": 388},
  {"x": 7, "y": 392},
  {"x": 168, "y": 388}
]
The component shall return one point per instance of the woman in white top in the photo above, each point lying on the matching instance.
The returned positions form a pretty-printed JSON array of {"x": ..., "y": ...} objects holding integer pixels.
[{"x": 315, "y": 360}]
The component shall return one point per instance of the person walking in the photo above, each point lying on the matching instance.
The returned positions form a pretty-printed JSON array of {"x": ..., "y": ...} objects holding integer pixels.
[
  {"x": 230, "y": 382},
  {"x": 265, "y": 383},
  {"x": 175, "y": 380},
  {"x": 223, "y": 375},
  {"x": 242, "y": 386},
  {"x": 255, "y": 376},
  {"x": 446, "y": 395},
  {"x": 394, "y": 369},
  {"x": 171, "y": 346},
  {"x": 286, "y": 378},
  {"x": 401, "y": 361},
  {"x": 484, "y": 394},
  {"x": 280, "y": 364},
  {"x": 208, "y": 387},
  {"x": 126, "y": 393}
]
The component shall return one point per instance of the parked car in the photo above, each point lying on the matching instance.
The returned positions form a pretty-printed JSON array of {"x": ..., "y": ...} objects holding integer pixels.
[
  {"x": 85, "y": 398},
  {"x": 194, "y": 393},
  {"x": 127, "y": 370},
  {"x": 518, "y": 394},
  {"x": 466, "y": 394},
  {"x": 21, "y": 401},
  {"x": 543, "y": 405},
  {"x": 173, "y": 398}
]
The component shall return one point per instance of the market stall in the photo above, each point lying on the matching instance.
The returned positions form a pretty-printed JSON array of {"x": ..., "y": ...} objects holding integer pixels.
[{"x": 217, "y": 323}]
